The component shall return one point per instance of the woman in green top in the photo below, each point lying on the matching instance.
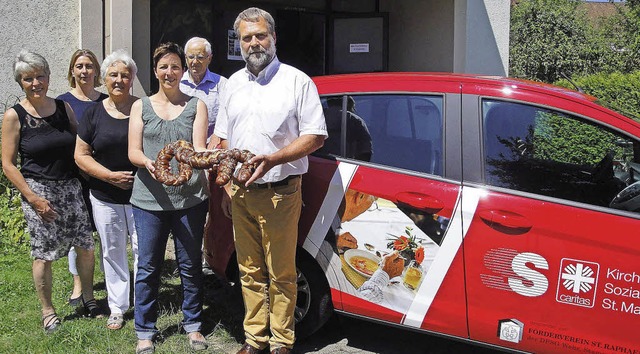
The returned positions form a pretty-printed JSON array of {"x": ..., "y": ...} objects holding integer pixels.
[{"x": 165, "y": 117}]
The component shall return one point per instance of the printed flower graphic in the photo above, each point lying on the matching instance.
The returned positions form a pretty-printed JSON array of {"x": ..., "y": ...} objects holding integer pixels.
[
  {"x": 407, "y": 246},
  {"x": 419, "y": 255},
  {"x": 401, "y": 243}
]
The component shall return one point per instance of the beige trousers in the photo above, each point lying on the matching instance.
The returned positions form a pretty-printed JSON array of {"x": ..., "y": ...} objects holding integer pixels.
[{"x": 265, "y": 223}]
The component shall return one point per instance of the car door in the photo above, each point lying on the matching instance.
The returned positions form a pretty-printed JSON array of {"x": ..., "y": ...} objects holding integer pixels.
[
  {"x": 551, "y": 251},
  {"x": 393, "y": 196}
]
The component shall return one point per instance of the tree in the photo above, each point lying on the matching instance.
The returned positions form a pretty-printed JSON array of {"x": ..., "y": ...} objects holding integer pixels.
[
  {"x": 621, "y": 35},
  {"x": 551, "y": 37}
]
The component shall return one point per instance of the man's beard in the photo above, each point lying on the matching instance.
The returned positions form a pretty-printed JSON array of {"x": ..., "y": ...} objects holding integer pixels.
[{"x": 259, "y": 59}]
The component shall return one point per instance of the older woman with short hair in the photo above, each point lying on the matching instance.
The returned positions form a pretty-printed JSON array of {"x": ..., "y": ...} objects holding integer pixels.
[
  {"x": 101, "y": 152},
  {"x": 43, "y": 131}
]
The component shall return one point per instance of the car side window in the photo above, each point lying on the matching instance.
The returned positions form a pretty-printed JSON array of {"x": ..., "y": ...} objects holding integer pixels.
[
  {"x": 403, "y": 131},
  {"x": 546, "y": 152},
  {"x": 348, "y": 133}
]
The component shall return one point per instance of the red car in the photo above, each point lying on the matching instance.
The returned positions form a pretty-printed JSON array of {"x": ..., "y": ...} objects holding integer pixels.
[{"x": 487, "y": 209}]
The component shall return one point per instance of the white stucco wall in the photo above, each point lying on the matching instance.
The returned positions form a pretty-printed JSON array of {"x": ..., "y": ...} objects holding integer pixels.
[{"x": 50, "y": 28}]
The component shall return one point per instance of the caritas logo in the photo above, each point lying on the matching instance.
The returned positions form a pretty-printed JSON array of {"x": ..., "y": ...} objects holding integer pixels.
[{"x": 577, "y": 282}]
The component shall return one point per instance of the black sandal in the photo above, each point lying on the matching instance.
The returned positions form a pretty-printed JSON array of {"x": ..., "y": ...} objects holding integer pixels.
[
  {"x": 92, "y": 309},
  {"x": 51, "y": 323},
  {"x": 75, "y": 301}
]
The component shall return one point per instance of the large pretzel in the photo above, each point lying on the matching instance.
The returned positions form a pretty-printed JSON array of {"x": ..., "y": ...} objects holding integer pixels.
[{"x": 220, "y": 161}]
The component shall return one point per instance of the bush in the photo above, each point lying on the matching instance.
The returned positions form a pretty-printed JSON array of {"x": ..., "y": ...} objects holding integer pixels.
[
  {"x": 620, "y": 32},
  {"x": 551, "y": 37},
  {"x": 617, "y": 91},
  {"x": 13, "y": 234}
]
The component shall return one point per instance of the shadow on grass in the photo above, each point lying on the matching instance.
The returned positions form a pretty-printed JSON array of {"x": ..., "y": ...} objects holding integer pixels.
[
  {"x": 223, "y": 310},
  {"x": 80, "y": 312}
]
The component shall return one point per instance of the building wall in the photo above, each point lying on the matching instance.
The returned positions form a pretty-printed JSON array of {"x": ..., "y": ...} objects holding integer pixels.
[
  {"x": 49, "y": 28},
  {"x": 127, "y": 27},
  {"x": 141, "y": 47},
  {"x": 468, "y": 36},
  {"x": 482, "y": 37},
  {"x": 421, "y": 35},
  {"x": 91, "y": 28},
  {"x": 464, "y": 36}
]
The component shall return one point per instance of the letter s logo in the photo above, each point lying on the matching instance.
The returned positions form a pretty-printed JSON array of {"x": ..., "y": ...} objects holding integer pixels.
[{"x": 534, "y": 282}]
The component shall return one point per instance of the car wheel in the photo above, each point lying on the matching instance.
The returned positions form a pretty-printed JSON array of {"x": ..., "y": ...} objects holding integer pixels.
[{"x": 313, "y": 307}]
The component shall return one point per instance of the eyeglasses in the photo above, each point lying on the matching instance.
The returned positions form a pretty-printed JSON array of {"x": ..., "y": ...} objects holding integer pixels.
[{"x": 198, "y": 57}]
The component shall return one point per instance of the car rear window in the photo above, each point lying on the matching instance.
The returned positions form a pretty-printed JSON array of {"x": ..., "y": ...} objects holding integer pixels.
[{"x": 402, "y": 131}]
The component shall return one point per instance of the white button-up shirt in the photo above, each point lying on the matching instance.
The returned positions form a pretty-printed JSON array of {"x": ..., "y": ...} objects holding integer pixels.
[
  {"x": 265, "y": 113},
  {"x": 208, "y": 90}
]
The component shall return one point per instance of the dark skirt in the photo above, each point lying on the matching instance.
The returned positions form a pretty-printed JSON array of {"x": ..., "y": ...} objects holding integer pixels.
[{"x": 52, "y": 240}]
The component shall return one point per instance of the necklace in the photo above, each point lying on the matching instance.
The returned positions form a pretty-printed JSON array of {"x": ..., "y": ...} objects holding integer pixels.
[{"x": 124, "y": 108}]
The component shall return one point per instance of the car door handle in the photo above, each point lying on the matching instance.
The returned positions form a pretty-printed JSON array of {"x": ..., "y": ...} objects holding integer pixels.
[
  {"x": 505, "y": 221},
  {"x": 420, "y": 201}
]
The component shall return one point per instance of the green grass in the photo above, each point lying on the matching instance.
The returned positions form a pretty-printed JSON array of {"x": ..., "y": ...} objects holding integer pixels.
[{"x": 21, "y": 327}]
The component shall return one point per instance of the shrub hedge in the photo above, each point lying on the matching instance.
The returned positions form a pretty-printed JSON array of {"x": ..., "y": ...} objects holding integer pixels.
[
  {"x": 617, "y": 91},
  {"x": 13, "y": 228},
  {"x": 13, "y": 234}
]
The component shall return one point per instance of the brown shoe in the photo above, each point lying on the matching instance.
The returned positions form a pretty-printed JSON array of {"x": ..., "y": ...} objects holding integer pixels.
[
  {"x": 248, "y": 349},
  {"x": 282, "y": 350}
]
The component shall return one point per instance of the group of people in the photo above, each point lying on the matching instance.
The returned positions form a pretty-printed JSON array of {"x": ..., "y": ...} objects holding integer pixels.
[{"x": 104, "y": 147}]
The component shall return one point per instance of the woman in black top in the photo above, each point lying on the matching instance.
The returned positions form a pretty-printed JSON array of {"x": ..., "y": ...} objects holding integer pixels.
[
  {"x": 101, "y": 152},
  {"x": 43, "y": 131}
]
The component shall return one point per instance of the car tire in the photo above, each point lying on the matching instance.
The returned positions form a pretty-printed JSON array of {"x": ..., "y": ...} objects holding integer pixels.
[{"x": 314, "y": 306}]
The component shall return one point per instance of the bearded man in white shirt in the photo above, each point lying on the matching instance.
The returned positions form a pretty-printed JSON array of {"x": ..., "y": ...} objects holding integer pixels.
[{"x": 273, "y": 110}]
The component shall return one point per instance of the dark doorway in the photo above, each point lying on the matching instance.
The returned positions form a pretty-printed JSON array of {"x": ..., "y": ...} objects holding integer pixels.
[
  {"x": 300, "y": 34},
  {"x": 301, "y": 40},
  {"x": 178, "y": 20}
]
